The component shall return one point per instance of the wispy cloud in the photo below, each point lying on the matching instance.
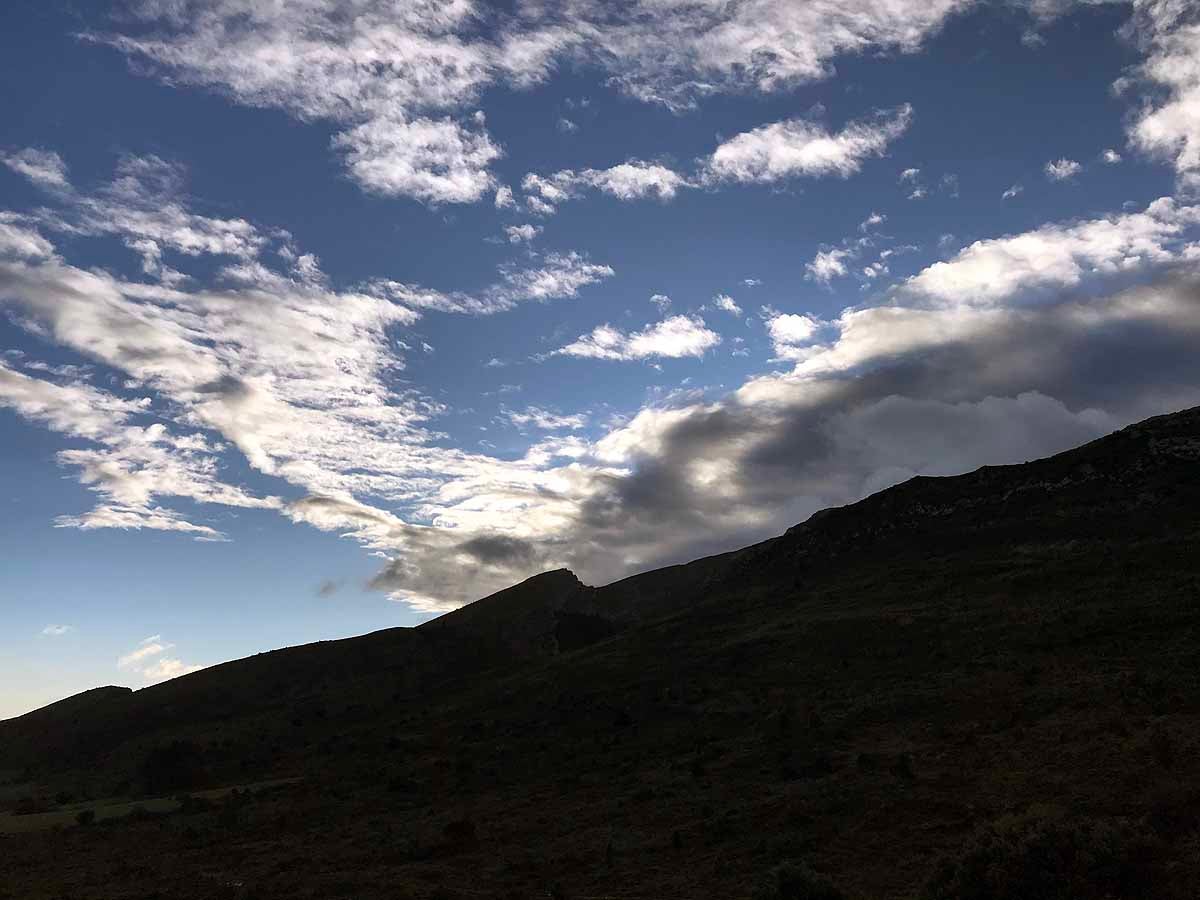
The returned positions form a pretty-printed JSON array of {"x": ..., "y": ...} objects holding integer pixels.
[{"x": 149, "y": 659}]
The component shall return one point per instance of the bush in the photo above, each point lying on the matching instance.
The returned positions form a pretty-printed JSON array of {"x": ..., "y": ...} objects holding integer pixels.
[
  {"x": 796, "y": 881},
  {"x": 28, "y": 806},
  {"x": 85, "y": 817},
  {"x": 1051, "y": 859}
]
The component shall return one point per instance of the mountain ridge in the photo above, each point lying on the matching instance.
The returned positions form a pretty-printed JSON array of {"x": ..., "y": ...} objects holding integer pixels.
[{"x": 1009, "y": 652}]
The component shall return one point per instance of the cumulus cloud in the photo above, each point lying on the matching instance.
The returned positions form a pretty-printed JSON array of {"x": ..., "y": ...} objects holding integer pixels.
[
  {"x": 725, "y": 303},
  {"x": 1110, "y": 157},
  {"x": 521, "y": 234},
  {"x": 827, "y": 265},
  {"x": 1167, "y": 125},
  {"x": 674, "y": 337},
  {"x": 1059, "y": 255},
  {"x": 431, "y": 160},
  {"x": 1062, "y": 169},
  {"x": 791, "y": 334},
  {"x": 798, "y": 147}
]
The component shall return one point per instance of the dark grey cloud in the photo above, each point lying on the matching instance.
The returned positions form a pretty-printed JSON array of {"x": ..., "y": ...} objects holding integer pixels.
[{"x": 1027, "y": 386}]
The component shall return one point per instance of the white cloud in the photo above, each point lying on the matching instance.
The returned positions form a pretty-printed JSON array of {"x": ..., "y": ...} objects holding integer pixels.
[
  {"x": 522, "y": 234},
  {"x": 632, "y": 180},
  {"x": 504, "y": 197},
  {"x": 1167, "y": 125},
  {"x": 545, "y": 420},
  {"x": 1062, "y": 169},
  {"x": 149, "y": 647},
  {"x": 131, "y": 464},
  {"x": 167, "y": 668},
  {"x": 675, "y": 52},
  {"x": 566, "y": 126},
  {"x": 675, "y": 337},
  {"x": 143, "y": 205},
  {"x": 874, "y": 219},
  {"x": 431, "y": 160},
  {"x": 662, "y": 301},
  {"x": 1057, "y": 256},
  {"x": 797, "y": 147},
  {"x": 400, "y": 84},
  {"x": 279, "y": 366},
  {"x": 555, "y": 276},
  {"x": 56, "y": 630},
  {"x": 20, "y": 242},
  {"x": 1012, "y": 192},
  {"x": 791, "y": 334},
  {"x": 781, "y": 150},
  {"x": 560, "y": 275},
  {"x": 291, "y": 373},
  {"x": 727, "y": 304},
  {"x": 1110, "y": 157},
  {"x": 149, "y": 661},
  {"x": 378, "y": 66},
  {"x": 44, "y": 168},
  {"x": 377, "y": 71},
  {"x": 827, "y": 265},
  {"x": 910, "y": 176}
]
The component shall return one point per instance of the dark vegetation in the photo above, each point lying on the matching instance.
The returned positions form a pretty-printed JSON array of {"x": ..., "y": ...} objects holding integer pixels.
[{"x": 982, "y": 688}]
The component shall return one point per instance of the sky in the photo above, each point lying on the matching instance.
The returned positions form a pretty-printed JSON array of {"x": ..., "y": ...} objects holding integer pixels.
[{"x": 324, "y": 316}]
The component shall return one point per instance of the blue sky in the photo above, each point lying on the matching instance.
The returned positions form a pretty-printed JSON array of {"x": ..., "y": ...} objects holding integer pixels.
[{"x": 321, "y": 317}]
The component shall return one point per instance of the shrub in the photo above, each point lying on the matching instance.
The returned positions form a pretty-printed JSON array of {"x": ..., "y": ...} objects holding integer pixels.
[
  {"x": 796, "y": 881},
  {"x": 85, "y": 817},
  {"x": 1051, "y": 859},
  {"x": 28, "y": 806}
]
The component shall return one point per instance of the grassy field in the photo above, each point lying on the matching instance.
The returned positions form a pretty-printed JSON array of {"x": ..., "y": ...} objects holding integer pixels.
[{"x": 120, "y": 808}]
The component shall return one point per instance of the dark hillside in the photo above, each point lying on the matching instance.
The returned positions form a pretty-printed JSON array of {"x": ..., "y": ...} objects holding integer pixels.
[{"x": 982, "y": 687}]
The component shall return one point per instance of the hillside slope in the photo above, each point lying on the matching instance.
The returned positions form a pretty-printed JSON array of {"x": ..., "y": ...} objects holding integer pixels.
[{"x": 1013, "y": 650}]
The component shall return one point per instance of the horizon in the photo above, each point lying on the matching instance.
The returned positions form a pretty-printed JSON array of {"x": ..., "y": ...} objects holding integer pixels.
[{"x": 308, "y": 332}]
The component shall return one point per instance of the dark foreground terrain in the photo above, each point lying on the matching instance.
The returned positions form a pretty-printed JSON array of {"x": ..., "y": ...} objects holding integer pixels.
[{"x": 977, "y": 687}]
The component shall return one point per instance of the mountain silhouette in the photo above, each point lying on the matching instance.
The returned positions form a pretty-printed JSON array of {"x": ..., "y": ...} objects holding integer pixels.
[{"x": 979, "y": 686}]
